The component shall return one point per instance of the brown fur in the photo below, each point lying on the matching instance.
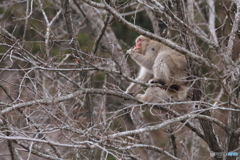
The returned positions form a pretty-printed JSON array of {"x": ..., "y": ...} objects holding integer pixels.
[{"x": 165, "y": 65}]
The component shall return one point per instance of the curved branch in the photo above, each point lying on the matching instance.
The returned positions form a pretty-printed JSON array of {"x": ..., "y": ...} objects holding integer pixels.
[{"x": 48, "y": 101}]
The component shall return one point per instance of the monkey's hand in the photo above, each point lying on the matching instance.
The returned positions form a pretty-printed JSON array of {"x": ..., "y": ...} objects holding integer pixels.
[{"x": 133, "y": 53}]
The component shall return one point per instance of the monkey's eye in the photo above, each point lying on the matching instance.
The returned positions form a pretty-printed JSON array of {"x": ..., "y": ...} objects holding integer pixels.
[
  {"x": 139, "y": 40},
  {"x": 153, "y": 49}
]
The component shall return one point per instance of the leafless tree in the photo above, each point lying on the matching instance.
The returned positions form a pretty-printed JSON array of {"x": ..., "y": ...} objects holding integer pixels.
[{"x": 64, "y": 72}]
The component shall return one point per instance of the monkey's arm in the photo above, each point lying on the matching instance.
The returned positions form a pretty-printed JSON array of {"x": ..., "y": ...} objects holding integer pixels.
[
  {"x": 143, "y": 76},
  {"x": 140, "y": 59}
]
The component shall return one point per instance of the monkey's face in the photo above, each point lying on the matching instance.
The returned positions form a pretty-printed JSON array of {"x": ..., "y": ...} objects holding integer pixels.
[
  {"x": 138, "y": 45},
  {"x": 141, "y": 44}
]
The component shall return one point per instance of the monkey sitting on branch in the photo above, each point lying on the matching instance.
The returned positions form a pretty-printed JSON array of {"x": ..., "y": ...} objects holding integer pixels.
[{"x": 167, "y": 67}]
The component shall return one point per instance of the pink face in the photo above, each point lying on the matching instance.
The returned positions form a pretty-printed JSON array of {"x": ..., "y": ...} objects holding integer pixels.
[{"x": 138, "y": 44}]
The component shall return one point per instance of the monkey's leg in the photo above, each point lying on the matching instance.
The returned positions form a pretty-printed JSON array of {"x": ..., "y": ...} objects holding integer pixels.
[
  {"x": 143, "y": 98},
  {"x": 147, "y": 96},
  {"x": 155, "y": 95},
  {"x": 140, "y": 97}
]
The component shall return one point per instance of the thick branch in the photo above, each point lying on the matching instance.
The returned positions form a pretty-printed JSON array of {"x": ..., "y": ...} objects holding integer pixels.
[{"x": 49, "y": 101}]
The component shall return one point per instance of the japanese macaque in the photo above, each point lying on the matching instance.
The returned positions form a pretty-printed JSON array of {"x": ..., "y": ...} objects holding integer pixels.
[{"x": 167, "y": 67}]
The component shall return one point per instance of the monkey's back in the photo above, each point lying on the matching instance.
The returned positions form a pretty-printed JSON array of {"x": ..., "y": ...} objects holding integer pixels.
[{"x": 170, "y": 67}]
